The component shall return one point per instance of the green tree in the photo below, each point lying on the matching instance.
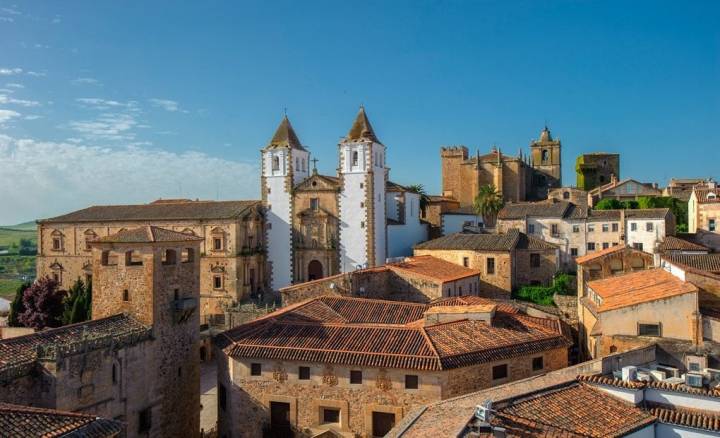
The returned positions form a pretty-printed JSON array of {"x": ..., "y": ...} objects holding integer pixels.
[
  {"x": 608, "y": 204},
  {"x": 77, "y": 304},
  {"x": 488, "y": 203},
  {"x": 17, "y": 307},
  {"x": 420, "y": 190}
]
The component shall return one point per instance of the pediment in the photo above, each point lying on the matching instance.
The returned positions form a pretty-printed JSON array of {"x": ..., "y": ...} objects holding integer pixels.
[
  {"x": 56, "y": 266},
  {"x": 217, "y": 269},
  {"x": 318, "y": 182}
]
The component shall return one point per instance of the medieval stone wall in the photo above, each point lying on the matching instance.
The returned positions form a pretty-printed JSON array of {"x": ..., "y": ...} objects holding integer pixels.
[{"x": 527, "y": 274}]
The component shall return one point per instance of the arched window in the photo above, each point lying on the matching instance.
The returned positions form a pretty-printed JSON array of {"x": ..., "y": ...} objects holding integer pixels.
[
  {"x": 133, "y": 258},
  {"x": 545, "y": 155},
  {"x": 169, "y": 257},
  {"x": 355, "y": 158},
  {"x": 58, "y": 240},
  {"x": 616, "y": 266},
  {"x": 90, "y": 235},
  {"x": 637, "y": 263},
  {"x": 188, "y": 255},
  {"x": 275, "y": 163},
  {"x": 566, "y": 195}
]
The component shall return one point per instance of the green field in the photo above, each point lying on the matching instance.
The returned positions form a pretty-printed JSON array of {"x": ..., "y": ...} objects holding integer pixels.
[{"x": 14, "y": 267}]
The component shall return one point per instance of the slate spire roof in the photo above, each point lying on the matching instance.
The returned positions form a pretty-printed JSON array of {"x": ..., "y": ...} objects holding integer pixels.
[
  {"x": 361, "y": 128},
  {"x": 285, "y": 137}
]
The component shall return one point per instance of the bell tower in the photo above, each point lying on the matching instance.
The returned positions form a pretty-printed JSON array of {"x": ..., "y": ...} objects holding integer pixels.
[
  {"x": 546, "y": 161},
  {"x": 362, "y": 198},
  {"x": 285, "y": 163}
]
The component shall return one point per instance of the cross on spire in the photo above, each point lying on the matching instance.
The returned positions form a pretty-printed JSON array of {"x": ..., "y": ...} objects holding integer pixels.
[{"x": 314, "y": 161}]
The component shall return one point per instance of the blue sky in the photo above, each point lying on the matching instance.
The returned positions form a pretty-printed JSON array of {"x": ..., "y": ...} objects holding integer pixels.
[{"x": 120, "y": 102}]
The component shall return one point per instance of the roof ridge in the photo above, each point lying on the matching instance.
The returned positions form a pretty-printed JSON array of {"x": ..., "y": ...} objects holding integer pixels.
[
  {"x": 432, "y": 345},
  {"x": 369, "y": 353}
]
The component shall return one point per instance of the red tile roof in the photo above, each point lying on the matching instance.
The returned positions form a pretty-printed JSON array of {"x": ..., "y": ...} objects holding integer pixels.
[
  {"x": 638, "y": 287},
  {"x": 148, "y": 234},
  {"x": 29, "y": 422},
  {"x": 686, "y": 417},
  {"x": 674, "y": 243},
  {"x": 378, "y": 333},
  {"x": 434, "y": 268},
  {"x": 704, "y": 196},
  {"x": 597, "y": 254}
]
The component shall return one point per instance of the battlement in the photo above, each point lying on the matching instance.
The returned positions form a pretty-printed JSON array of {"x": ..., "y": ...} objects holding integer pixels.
[{"x": 454, "y": 152}]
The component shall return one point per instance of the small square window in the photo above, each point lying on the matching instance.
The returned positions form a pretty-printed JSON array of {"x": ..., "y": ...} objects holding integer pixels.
[
  {"x": 304, "y": 373},
  {"x": 490, "y": 264},
  {"x": 499, "y": 372},
  {"x": 615, "y": 227},
  {"x": 606, "y": 245},
  {"x": 591, "y": 246},
  {"x": 537, "y": 363},
  {"x": 57, "y": 244},
  {"x": 605, "y": 228},
  {"x": 693, "y": 366},
  {"x": 633, "y": 226},
  {"x": 331, "y": 415},
  {"x": 411, "y": 381},
  {"x": 466, "y": 261},
  {"x": 355, "y": 377},
  {"x": 535, "y": 260},
  {"x": 591, "y": 228},
  {"x": 649, "y": 330},
  {"x": 217, "y": 282},
  {"x": 126, "y": 295},
  {"x": 648, "y": 226},
  {"x": 574, "y": 252},
  {"x": 576, "y": 228},
  {"x": 255, "y": 369},
  {"x": 638, "y": 245}
]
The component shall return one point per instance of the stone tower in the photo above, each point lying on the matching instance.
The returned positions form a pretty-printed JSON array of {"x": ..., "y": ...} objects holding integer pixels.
[
  {"x": 547, "y": 162},
  {"x": 153, "y": 275},
  {"x": 363, "y": 175},
  {"x": 596, "y": 169},
  {"x": 285, "y": 163}
]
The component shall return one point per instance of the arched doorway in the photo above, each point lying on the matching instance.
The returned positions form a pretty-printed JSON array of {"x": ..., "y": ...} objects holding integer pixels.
[{"x": 315, "y": 270}]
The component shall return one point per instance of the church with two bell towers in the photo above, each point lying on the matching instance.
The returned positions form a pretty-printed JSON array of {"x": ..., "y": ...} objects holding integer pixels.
[{"x": 320, "y": 225}]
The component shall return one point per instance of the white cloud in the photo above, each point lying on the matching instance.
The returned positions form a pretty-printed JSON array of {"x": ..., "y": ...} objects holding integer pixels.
[
  {"x": 106, "y": 126},
  {"x": 42, "y": 46},
  {"x": 86, "y": 81},
  {"x": 42, "y": 179},
  {"x": 5, "y": 99},
  {"x": 6, "y": 115},
  {"x": 14, "y": 85},
  {"x": 10, "y": 71},
  {"x": 104, "y": 104},
  {"x": 32, "y": 117},
  {"x": 36, "y": 73},
  {"x": 7, "y": 19},
  {"x": 11, "y": 11},
  {"x": 167, "y": 105}
]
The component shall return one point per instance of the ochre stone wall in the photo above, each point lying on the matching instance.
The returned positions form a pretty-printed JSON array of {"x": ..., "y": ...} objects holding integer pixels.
[{"x": 526, "y": 274}]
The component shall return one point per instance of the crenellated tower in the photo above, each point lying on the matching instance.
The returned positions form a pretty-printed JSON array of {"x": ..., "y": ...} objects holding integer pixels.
[{"x": 363, "y": 239}]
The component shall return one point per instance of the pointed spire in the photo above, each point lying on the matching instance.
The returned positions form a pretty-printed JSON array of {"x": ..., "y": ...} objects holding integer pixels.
[
  {"x": 545, "y": 135},
  {"x": 361, "y": 128},
  {"x": 285, "y": 137}
]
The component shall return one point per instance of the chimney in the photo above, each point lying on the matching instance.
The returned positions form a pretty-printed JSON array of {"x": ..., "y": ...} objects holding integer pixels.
[{"x": 444, "y": 314}]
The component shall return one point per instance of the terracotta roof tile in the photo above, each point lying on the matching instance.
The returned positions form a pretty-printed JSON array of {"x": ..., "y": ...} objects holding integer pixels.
[
  {"x": 148, "y": 234},
  {"x": 379, "y": 333},
  {"x": 475, "y": 242},
  {"x": 158, "y": 211},
  {"x": 29, "y": 422},
  {"x": 434, "y": 268},
  {"x": 638, "y": 287},
  {"x": 676, "y": 243},
  {"x": 647, "y": 213},
  {"x": 597, "y": 254},
  {"x": 700, "y": 262},
  {"x": 521, "y": 210},
  {"x": 704, "y": 196},
  {"x": 686, "y": 417}
]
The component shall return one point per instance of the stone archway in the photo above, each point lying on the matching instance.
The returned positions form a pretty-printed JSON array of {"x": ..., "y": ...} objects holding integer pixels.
[{"x": 315, "y": 270}]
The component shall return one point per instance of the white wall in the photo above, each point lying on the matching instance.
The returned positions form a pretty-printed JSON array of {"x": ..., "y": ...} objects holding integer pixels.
[
  {"x": 379, "y": 177},
  {"x": 391, "y": 205},
  {"x": 673, "y": 431},
  {"x": 278, "y": 219},
  {"x": 649, "y": 239},
  {"x": 453, "y": 223},
  {"x": 402, "y": 238},
  {"x": 645, "y": 432},
  {"x": 682, "y": 399},
  {"x": 633, "y": 396}
]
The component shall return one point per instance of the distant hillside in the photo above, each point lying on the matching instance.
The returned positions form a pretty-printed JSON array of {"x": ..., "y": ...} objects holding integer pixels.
[{"x": 25, "y": 226}]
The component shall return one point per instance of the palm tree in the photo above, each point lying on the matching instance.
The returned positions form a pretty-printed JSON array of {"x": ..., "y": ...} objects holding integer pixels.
[
  {"x": 488, "y": 203},
  {"x": 420, "y": 190}
]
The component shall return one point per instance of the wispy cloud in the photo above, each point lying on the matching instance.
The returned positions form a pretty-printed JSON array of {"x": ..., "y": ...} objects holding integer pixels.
[
  {"x": 36, "y": 73},
  {"x": 5, "y": 99},
  {"x": 6, "y": 19},
  {"x": 43, "y": 179},
  {"x": 104, "y": 104},
  {"x": 6, "y": 115},
  {"x": 32, "y": 117},
  {"x": 10, "y": 11},
  {"x": 14, "y": 85},
  {"x": 86, "y": 81},
  {"x": 41, "y": 46},
  {"x": 10, "y": 71},
  {"x": 107, "y": 126},
  {"x": 166, "y": 104}
]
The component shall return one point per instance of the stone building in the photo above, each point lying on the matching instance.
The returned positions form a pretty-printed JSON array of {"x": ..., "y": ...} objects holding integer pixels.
[
  {"x": 232, "y": 250},
  {"x": 516, "y": 178},
  {"x": 681, "y": 188},
  {"x": 704, "y": 210},
  {"x": 625, "y": 190},
  {"x": 357, "y": 366},
  {"x": 570, "y": 194},
  {"x": 27, "y": 422},
  {"x": 596, "y": 169},
  {"x": 433, "y": 213},
  {"x": 137, "y": 361},
  {"x": 505, "y": 261},
  {"x": 420, "y": 279}
]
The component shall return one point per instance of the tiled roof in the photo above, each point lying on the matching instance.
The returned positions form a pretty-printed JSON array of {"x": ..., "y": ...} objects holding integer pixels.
[
  {"x": 638, "y": 287},
  {"x": 597, "y": 254},
  {"x": 377, "y": 333},
  {"x": 391, "y": 186},
  {"x": 18, "y": 354},
  {"x": 285, "y": 137},
  {"x": 158, "y": 211},
  {"x": 521, "y": 210},
  {"x": 700, "y": 262},
  {"x": 467, "y": 210},
  {"x": 676, "y": 243},
  {"x": 574, "y": 410},
  {"x": 361, "y": 128},
  {"x": 603, "y": 215},
  {"x": 702, "y": 195},
  {"x": 686, "y": 417},
  {"x": 148, "y": 234},
  {"x": 608, "y": 380},
  {"x": 470, "y": 300},
  {"x": 647, "y": 213},
  {"x": 527, "y": 241},
  {"x": 29, "y": 422},
  {"x": 475, "y": 242},
  {"x": 434, "y": 268}
]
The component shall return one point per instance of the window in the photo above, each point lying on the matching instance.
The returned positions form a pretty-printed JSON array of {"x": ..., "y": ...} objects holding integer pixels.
[
  {"x": 314, "y": 203},
  {"x": 573, "y": 252},
  {"x": 537, "y": 363},
  {"x": 355, "y": 377},
  {"x": 222, "y": 396},
  {"x": 362, "y": 205},
  {"x": 362, "y": 224},
  {"x": 605, "y": 228},
  {"x": 255, "y": 369},
  {"x": 591, "y": 228},
  {"x": 217, "y": 243},
  {"x": 648, "y": 329},
  {"x": 545, "y": 155},
  {"x": 499, "y": 372},
  {"x": 535, "y": 260},
  {"x": 114, "y": 374},
  {"x": 693, "y": 366},
  {"x": 217, "y": 281},
  {"x": 615, "y": 227},
  {"x": 169, "y": 257},
  {"x": 531, "y": 228},
  {"x": 354, "y": 158},
  {"x": 187, "y": 255},
  {"x": 648, "y": 226},
  {"x": 638, "y": 245},
  {"x": 176, "y": 294},
  {"x": 276, "y": 163},
  {"x": 144, "y": 420},
  {"x": 633, "y": 226},
  {"x": 591, "y": 246},
  {"x": 126, "y": 295},
  {"x": 490, "y": 265},
  {"x": 606, "y": 245},
  {"x": 711, "y": 225},
  {"x": 466, "y": 261},
  {"x": 362, "y": 185},
  {"x": 304, "y": 373},
  {"x": 576, "y": 228},
  {"x": 411, "y": 381},
  {"x": 331, "y": 415},
  {"x": 566, "y": 195},
  {"x": 554, "y": 229}
]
